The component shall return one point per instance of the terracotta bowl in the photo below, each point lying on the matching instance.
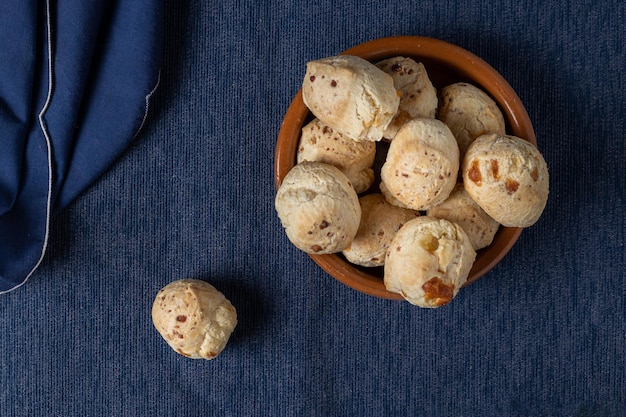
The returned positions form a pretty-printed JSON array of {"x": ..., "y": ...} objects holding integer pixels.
[{"x": 445, "y": 64}]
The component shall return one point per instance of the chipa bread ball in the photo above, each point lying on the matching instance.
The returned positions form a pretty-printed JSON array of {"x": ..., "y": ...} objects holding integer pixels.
[
  {"x": 508, "y": 178},
  {"x": 428, "y": 261},
  {"x": 351, "y": 95},
  {"x": 318, "y": 208},
  {"x": 194, "y": 318}
]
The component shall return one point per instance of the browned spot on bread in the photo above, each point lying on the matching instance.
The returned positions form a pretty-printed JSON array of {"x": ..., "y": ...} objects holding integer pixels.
[
  {"x": 535, "y": 174},
  {"x": 474, "y": 173},
  {"x": 402, "y": 117},
  {"x": 495, "y": 169},
  {"x": 430, "y": 243},
  {"x": 511, "y": 185},
  {"x": 183, "y": 353},
  {"x": 437, "y": 293}
]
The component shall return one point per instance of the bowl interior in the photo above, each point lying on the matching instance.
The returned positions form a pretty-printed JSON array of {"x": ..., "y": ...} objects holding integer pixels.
[{"x": 445, "y": 64}]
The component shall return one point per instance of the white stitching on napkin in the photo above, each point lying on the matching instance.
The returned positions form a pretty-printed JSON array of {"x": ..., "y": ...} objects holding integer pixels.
[
  {"x": 148, "y": 97},
  {"x": 46, "y": 135}
]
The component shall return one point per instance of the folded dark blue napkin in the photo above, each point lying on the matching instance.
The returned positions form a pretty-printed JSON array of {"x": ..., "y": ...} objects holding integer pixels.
[{"x": 76, "y": 78}]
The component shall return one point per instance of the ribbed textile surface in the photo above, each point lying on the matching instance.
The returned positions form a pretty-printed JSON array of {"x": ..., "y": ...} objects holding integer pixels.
[{"x": 542, "y": 334}]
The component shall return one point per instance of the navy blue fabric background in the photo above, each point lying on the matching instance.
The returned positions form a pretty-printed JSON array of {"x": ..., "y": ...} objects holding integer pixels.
[{"x": 541, "y": 335}]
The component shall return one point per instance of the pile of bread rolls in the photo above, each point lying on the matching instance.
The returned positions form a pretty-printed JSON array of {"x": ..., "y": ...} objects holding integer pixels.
[{"x": 450, "y": 178}]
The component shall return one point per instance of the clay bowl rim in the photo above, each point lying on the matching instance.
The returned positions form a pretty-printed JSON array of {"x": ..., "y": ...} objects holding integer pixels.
[{"x": 433, "y": 53}]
